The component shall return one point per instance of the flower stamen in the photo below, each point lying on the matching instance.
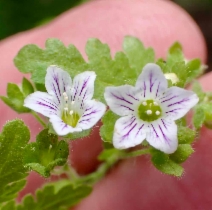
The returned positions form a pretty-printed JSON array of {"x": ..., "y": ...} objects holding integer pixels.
[{"x": 149, "y": 112}]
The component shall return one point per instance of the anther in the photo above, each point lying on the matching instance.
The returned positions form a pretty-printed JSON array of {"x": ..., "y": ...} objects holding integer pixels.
[
  {"x": 155, "y": 103},
  {"x": 65, "y": 94},
  {"x": 157, "y": 112},
  {"x": 66, "y": 108},
  {"x": 149, "y": 112},
  {"x": 144, "y": 103},
  {"x": 72, "y": 102},
  {"x": 71, "y": 112}
]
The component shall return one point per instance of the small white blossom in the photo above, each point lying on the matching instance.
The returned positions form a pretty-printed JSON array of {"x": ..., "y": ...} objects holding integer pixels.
[
  {"x": 148, "y": 110},
  {"x": 68, "y": 104}
]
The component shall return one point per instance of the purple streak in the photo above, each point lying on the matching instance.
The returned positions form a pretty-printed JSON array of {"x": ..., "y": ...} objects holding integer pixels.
[{"x": 179, "y": 102}]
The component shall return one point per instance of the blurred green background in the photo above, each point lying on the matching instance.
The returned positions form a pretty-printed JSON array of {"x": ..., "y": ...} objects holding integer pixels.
[{"x": 20, "y": 15}]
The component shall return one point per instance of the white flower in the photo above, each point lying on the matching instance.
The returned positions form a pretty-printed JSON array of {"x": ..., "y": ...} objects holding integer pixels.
[
  {"x": 68, "y": 104},
  {"x": 148, "y": 110}
]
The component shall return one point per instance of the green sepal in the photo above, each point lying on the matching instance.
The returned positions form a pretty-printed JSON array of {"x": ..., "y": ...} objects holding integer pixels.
[
  {"x": 15, "y": 98},
  {"x": 27, "y": 87},
  {"x": 106, "y": 131},
  {"x": 196, "y": 87},
  {"x": 59, "y": 195},
  {"x": 185, "y": 135},
  {"x": 166, "y": 165},
  {"x": 46, "y": 153},
  {"x": 198, "y": 117},
  {"x": 13, "y": 139},
  {"x": 183, "y": 152},
  {"x": 137, "y": 54}
]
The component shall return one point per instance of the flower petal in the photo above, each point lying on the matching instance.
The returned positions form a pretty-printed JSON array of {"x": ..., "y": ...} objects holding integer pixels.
[
  {"x": 128, "y": 132},
  {"x": 42, "y": 103},
  {"x": 121, "y": 100},
  {"x": 57, "y": 81},
  {"x": 163, "y": 135},
  {"x": 62, "y": 128},
  {"x": 151, "y": 81},
  {"x": 176, "y": 102},
  {"x": 83, "y": 86},
  {"x": 93, "y": 111}
]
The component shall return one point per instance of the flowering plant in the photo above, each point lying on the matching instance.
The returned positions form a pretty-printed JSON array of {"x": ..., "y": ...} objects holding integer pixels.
[{"x": 142, "y": 104}]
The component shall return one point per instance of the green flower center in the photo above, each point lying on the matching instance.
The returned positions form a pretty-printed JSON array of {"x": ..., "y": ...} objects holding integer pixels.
[
  {"x": 149, "y": 110},
  {"x": 69, "y": 116}
]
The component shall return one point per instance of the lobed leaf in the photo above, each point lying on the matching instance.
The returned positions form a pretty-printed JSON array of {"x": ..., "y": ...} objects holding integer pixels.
[
  {"x": 13, "y": 139},
  {"x": 46, "y": 153},
  {"x": 54, "y": 196}
]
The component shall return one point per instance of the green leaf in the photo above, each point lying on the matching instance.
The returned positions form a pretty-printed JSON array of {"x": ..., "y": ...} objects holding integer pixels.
[
  {"x": 118, "y": 71},
  {"x": 137, "y": 54},
  {"x": 8, "y": 206},
  {"x": 13, "y": 139},
  {"x": 46, "y": 153},
  {"x": 106, "y": 131},
  {"x": 55, "y": 196},
  {"x": 27, "y": 87},
  {"x": 198, "y": 117},
  {"x": 182, "y": 154},
  {"x": 185, "y": 135},
  {"x": 15, "y": 99},
  {"x": 163, "y": 163},
  {"x": 32, "y": 59}
]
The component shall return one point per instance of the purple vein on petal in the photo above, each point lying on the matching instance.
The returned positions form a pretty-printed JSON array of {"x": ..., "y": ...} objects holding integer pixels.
[
  {"x": 164, "y": 136},
  {"x": 85, "y": 120},
  {"x": 56, "y": 93},
  {"x": 154, "y": 131},
  {"x": 169, "y": 99},
  {"x": 132, "y": 97},
  {"x": 76, "y": 90},
  {"x": 179, "y": 102},
  {"x": 128, "y": 133},
  {"x": 165, "y": 96},
  {"x": 157, "y": 90},
  {"x": 65, "y": 126},
  {"x": 144, "y": 89},
  {"x": 45, "y": 105},
  {"x": 151, "y": 83},
  {"x": 83, "y": 98},
  {"x": 125, "y": 107},
  {"x": 121, "y": 98},
  {"x": 164, "y": 124},
  {"x": 92, "y": 112},
  {"x": 55, "y": 106},
  {"x": 173, "y": 110},
  {"x": 84, "y": 85},
  {"x": 133, "y": 120},
  {"x": 139, "y": 130},
  {"x": 55, "y": 77}
]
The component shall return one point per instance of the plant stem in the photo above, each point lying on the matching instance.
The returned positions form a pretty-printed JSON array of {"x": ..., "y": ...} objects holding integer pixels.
[
  {"x": 39, "y": 119},
  {"x": 136, "y": 153},
  {"x": 100, "y": 172}
]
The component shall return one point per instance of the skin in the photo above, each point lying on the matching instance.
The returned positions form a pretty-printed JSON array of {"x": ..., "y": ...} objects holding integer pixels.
[{"x": 135, "y": 183}]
